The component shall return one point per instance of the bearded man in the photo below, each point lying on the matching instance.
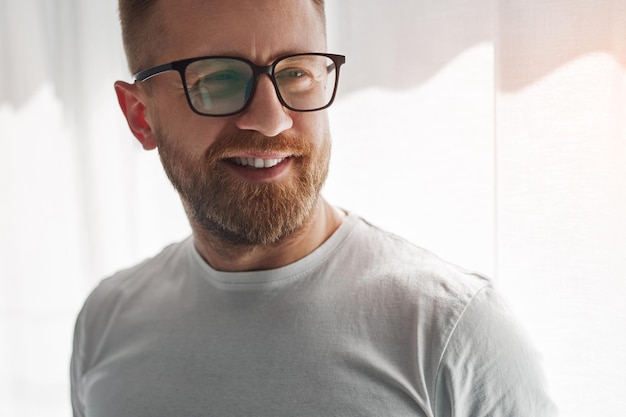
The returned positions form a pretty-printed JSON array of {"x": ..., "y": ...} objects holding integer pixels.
[{"x": 279, "y": 304}]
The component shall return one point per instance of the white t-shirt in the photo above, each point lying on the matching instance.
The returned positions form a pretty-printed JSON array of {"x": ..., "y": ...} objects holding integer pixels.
[{"x": 366, "y": 325}]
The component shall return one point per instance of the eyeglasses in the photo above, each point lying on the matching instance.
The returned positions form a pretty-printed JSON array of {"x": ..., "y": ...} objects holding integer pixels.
[{"x": 223, "y": 86}]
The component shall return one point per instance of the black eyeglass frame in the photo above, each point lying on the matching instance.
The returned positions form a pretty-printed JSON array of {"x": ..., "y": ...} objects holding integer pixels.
[{"x": 257, "y": 70}]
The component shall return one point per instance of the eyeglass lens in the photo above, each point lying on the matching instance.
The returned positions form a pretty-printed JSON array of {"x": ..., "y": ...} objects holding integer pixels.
[{"x": 218, "y": 86}]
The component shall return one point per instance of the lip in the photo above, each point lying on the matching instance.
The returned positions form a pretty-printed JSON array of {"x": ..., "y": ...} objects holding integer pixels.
[{"x": 262, "y": 155}]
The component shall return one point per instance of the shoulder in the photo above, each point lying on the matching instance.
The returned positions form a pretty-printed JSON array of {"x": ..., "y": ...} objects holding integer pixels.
[
  {"x": 420, "y": 273},
  {"x": 127, "y": 285},
  {"x": 410, "y": 282}
]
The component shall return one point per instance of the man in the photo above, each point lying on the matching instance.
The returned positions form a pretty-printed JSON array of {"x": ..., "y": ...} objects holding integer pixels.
[{"x": 279, "y": 304}]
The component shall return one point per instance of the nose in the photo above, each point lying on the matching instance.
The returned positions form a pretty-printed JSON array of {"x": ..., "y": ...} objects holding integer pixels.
[{"x": 265, "y": 113}]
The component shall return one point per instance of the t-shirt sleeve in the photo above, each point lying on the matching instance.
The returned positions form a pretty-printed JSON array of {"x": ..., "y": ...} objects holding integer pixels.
[{"x": 488, "y": 367}]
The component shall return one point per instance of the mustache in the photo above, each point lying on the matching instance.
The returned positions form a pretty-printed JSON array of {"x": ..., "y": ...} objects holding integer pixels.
[{"x": 249, "y": 141}]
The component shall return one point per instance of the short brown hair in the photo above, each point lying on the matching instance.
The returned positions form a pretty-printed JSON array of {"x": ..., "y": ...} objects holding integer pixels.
[
  {"x": 137, "y": 21},
  {"x": 139, "y": 24}
]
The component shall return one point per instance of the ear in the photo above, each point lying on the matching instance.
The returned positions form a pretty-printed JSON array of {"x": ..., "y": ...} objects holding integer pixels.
[{"x": 131, "y": 100}]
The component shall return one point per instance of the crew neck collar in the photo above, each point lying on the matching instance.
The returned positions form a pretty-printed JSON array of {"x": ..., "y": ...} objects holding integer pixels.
[{"x": 263, "y": 278}]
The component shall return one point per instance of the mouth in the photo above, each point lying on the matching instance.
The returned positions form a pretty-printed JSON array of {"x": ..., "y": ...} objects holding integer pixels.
[
  {"x": 256, "y": 163},
  {"x": 256, "y": 167}
]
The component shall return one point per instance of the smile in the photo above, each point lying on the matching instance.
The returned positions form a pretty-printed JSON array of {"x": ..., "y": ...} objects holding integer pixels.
[{"x": 256, "y": 162}]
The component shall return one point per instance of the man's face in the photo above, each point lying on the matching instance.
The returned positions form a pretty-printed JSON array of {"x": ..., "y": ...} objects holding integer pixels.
[{"x": 285, "y": 153}]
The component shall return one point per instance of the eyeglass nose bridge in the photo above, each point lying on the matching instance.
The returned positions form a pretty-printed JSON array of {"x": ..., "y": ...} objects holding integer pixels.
[{"x": 257, "y": 72}]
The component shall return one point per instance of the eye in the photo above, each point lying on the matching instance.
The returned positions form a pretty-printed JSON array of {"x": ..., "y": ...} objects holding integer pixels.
[
  {"x": 219, "y": 79},
  {"x": 295, "y": 80},
  {"x": 220, "y": 83},
  {"x": 224, "y": 76},
  {"x": 291, "y": 73}
]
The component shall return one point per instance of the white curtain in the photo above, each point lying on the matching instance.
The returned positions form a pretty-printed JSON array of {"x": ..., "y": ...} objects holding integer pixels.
[{"x": 491, "y": 132}]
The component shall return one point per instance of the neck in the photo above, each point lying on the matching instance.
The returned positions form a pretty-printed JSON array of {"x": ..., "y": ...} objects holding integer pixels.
[{"x": 320, "y": 225}]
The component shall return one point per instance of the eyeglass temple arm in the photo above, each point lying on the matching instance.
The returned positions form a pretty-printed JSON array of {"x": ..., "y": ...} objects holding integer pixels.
[{"x": 149, "y": 73}]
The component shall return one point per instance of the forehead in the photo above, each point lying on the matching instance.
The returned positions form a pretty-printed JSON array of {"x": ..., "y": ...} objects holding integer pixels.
[{"x": 260, "y": 30}]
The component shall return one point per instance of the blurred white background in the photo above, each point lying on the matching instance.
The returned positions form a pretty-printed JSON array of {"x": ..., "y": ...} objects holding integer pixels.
[{"x": 490, "y": 132}]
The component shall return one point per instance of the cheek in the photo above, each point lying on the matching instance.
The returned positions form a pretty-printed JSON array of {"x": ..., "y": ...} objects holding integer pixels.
[
  {"x": 314, "y": 126},
  {"x": 191, "y": 132}
]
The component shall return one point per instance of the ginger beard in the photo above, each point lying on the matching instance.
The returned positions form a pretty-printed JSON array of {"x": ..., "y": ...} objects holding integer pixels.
[{"x": 239, "y": 212}]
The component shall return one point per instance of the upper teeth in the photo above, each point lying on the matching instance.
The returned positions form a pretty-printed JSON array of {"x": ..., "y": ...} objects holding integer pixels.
[{"x": 257, "y": 163}]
